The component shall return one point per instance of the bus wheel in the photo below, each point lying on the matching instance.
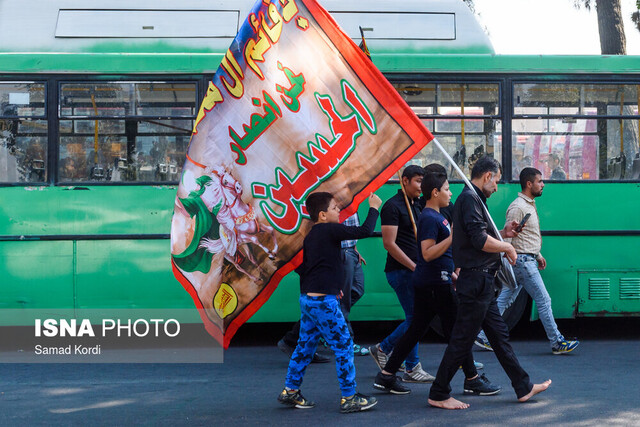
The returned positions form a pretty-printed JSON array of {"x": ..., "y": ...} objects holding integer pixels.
[
  {"x": 514, "y": 313},
  {"x": 511, "y": 315}
]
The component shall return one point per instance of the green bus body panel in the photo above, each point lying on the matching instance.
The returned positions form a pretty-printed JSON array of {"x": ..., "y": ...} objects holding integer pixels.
[
  {"x": 401, "y": 62},
  {"x": 127, "y": 274},
  {"x": 608, "y": 292},
  {"x": 518, "y": 64},
  {"x": 120, "y": 273},
  {"x": 116, "y": 63},
  {"x": 87, "y": 210},
  {"x": 35, "y": 275}
]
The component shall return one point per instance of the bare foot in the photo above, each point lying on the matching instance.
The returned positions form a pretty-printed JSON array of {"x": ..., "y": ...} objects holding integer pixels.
[
  {"x": 537, "y": 388},
  {"x": 450, "y": 403}
]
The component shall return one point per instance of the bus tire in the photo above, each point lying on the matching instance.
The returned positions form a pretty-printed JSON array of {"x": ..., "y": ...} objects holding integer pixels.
[
  {"x": 511, "y": 315},
  {"x": 515, "y": 312}
]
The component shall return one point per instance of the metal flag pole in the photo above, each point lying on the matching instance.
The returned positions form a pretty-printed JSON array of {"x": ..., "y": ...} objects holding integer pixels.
[{"x": 468, "y": 183}]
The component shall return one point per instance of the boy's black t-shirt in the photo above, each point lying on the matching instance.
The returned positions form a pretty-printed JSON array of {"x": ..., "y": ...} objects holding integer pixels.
[
  {"x": 321, "y": 270},
  {"x": 394, "y": 212},
  {"x": 433, "y": 225}
]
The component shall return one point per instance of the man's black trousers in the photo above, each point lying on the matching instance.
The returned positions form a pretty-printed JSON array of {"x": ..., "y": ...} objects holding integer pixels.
[{"x": 477, "y": 309}]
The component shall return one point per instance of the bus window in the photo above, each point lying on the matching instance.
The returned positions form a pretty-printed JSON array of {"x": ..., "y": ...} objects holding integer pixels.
[
  {"x": 623, "y": 156},
  {"x": 573, "y": 131},
  {"x": 22, "y": 99},
  {"x": 465, "y": 96},
  {"x": 125, "y": 132},
  {"x": 23, "y": 137},
  {"x": 464, "y": 117},
  {"x": 560, "y": 149}
]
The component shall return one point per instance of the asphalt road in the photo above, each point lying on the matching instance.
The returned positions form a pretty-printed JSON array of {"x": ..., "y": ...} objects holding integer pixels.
[{"x": 594, "y": 386}]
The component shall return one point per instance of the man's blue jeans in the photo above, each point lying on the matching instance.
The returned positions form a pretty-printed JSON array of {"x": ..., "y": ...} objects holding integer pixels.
[
  {"x": 528, "y": 277},
  {"x": 400, "y": 281},
  {"x": 354, "y": 283}
]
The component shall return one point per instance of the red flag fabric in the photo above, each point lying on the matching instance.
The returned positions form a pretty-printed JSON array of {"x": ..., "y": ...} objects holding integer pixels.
[{"x": 294, "y": 107}]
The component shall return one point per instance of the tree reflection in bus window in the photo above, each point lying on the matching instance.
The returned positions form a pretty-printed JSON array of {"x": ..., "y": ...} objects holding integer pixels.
[
  {"x": 462, "y": 116},
  {"x": 23, "y": 132},
  {"x": 23, "y": 150},
  {"x": 564, "y": 143},
  {"x": 142, "y": 134}
]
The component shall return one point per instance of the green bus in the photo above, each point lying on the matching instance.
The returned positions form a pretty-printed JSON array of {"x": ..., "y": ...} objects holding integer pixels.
[{"x": 97, "y": 108}]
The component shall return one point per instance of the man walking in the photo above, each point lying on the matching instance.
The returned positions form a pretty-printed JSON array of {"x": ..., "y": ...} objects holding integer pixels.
[
  {"x": 354, "y": 280},
  {"x": 528, "y": 244},
  {"x": 476, "y": 250},
  {"x": 397, "y": 219}
]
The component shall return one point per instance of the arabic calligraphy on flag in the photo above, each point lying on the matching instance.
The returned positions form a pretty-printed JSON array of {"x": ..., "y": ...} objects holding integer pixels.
[{"x": 294, "y": 107}]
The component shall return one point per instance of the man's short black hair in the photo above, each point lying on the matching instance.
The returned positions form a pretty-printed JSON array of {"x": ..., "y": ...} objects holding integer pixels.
[
  {"x": 412, "y": 170},
  {"x": 435, "y": 168},
  {"x": 431, "y": 181},
  {"x": 528, "y": 175},
  {"x": 554, "y": 157},
  {"x": 485, "y": 164},
  {"x": 316, "y": 203}
]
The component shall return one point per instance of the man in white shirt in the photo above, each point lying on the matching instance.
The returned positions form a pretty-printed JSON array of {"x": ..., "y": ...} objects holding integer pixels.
[{"x": 528, "y": 244}]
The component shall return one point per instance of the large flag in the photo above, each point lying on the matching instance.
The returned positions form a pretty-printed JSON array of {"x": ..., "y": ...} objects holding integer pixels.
[{"x": 294, "y": 107}]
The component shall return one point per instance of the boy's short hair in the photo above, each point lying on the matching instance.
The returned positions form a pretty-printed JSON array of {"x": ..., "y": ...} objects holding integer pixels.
[
  {"x": 485, "y": 164},
  {"x": 317, "y": 202},
  {"x": 435, "y": 168},
  {"x": 528, "y": 175},
  {"x": 431, "y": 181},
  {"x": 412, "y": 170}
]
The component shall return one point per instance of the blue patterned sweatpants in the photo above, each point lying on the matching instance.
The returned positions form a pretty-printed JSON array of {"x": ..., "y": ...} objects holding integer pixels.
[{"x": 321, "y": 317}]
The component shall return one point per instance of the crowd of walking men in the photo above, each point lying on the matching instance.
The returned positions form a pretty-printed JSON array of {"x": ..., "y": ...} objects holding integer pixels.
[{"x": 433, "y": 271}]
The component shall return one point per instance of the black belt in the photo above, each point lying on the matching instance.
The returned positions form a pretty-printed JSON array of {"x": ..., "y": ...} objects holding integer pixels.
[{"x": 491, "y": 271}]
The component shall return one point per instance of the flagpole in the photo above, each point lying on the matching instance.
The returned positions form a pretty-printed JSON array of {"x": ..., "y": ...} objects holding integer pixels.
[
  {"x": 363, "y": 46},
  {"x": 468, "y": 183},
  {"x": 406, "y": 201}
]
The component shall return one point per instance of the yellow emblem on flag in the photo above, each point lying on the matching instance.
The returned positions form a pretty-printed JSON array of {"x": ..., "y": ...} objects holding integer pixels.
[{"x": 225, "y": 301}]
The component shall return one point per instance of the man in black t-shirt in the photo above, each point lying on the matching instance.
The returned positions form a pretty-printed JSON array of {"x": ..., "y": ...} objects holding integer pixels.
[{"x": 399, "y": 239}]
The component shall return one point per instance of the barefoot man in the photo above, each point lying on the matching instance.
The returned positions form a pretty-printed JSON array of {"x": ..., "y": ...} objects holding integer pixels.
[{"x": 477, "y": 252}]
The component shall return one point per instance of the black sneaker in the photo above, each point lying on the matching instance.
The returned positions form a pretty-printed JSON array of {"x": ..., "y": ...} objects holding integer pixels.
[
  {"x": 390, "y": 383},
  {"x": 318, "y": 358},
  {"x": 288, "y": 350},
  {"x": 285, "y": 348},
  {"x": 356, "y": 403},
  {"x": 481, "y": 386},
  {"x": 295, "y": 399}
]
